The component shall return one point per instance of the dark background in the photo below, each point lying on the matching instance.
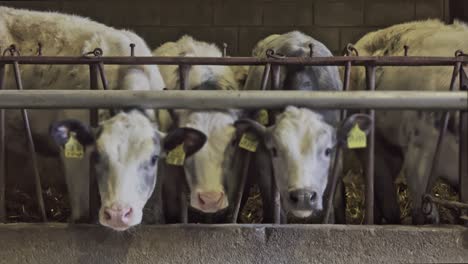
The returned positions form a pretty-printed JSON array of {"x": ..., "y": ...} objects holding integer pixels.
[{"x": 241, "y": 23}]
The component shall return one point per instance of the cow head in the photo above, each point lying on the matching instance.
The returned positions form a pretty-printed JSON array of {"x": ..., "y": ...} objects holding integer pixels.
[
  {"x": 207, "y": 170},
  {"x": 301, "y": 146},
  {"x": 126, "y": 148}
]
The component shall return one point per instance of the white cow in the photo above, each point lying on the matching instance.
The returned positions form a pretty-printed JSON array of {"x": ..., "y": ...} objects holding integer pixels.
[
  {"x": 208, "y": 171},
  {"x": 406, "y": 139},
  {"x": 299, "y": 141},
  {"x": 127, "y": 145}
]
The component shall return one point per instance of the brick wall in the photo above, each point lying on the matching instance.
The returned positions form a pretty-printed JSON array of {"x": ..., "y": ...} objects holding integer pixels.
[{"x": 241, "y": 23}]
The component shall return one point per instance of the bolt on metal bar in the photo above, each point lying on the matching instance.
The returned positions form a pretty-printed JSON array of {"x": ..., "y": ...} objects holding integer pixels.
[
  {"x": 32, "y": 148},
  {"x": 93, "y": 192},
  {"x": 3, "y": 216},
  {"x": 317, "y": 61},
  {"x": 337, "y": 169},
  {"x": 369, "y": 169},
  {"x": 85, "y": 99},
  {"x": 463, "y": 155}
]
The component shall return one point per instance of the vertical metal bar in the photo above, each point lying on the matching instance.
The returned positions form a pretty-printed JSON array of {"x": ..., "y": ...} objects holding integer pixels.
[
  {"x": 105, "y": 83},
  {"x": 266, "y": 75},
  {"x": 183, "y": 76},
  {"x": 132, "y": 49},
  {"x": 463, "y": 155},
  {"x": 338, "y": 156},
  {"x": 93, "y": 191},
  {"x": 2, "y": 153},
  {"x": 240, "y": 193},
  {"x": 275, "y": 85},
  {"x": 183, "y": 196},
  {"x": 442, "y": 131},
  {"x": 275, "y": 77},
  {"x": 32, "y": 148},
  {"x": 370, "y": 78}
]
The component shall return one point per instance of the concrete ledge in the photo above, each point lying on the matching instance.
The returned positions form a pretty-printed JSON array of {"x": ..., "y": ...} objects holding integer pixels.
[{"x": 60, "y": 243}]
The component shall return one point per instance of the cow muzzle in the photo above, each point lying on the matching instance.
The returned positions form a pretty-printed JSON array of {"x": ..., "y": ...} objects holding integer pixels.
[{"x": 209, "y": 202}]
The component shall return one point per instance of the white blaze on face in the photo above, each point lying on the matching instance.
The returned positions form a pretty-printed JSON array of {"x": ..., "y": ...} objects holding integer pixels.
[
  {"x": 128, "y": 149},
  {"x": 302, "y": 142},
  {"x": 205, "y": 170}
]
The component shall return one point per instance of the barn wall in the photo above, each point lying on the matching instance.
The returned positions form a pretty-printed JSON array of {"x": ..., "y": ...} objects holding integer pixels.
[{"x": 241, "y": 23}]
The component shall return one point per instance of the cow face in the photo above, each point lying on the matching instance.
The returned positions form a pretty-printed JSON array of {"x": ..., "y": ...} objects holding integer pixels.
[
  {"x": 301, "y": 146},
  {"x": 127, "y": 148},
  {"x": 206, "y": 171}
]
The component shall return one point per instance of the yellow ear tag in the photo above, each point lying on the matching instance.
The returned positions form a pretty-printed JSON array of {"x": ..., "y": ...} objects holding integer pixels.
[
  {"x": 262, "y": 117},
  {"x": 357, "y": 138},
  {"x": 176, "y": 156},
  {"x": 249, "y": 142},
  {"x": 73, "y": 148}
]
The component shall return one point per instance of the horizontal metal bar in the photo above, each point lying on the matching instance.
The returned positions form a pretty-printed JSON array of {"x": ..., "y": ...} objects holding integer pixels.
[
  {"x": 83, "y": 99},
  {"x": 339, "y": 60}
]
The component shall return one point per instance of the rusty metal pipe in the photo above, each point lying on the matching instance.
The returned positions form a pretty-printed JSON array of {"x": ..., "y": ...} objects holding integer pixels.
[
  {"x": 105, "y": 83},
  {"x": 265, "y": 76},
  {"x": 317, "y": 61},
  {"x": 369, "y": 169},
  {"x": 32, "y": 148},
  {"x": 3, "y": 216}
]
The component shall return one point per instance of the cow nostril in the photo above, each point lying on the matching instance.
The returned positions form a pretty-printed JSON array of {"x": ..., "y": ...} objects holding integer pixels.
[
  {"x": 313, "y": 196},
  {"x": 293, "y": 197},
  {"x": 128, "y": 213},
  {"x": 107, "y": 215}
]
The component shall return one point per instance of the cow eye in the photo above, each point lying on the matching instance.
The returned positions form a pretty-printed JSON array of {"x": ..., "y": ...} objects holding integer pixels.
[
  {"x": 154, "y": 159},
  {"x": 328, "y": 151}
]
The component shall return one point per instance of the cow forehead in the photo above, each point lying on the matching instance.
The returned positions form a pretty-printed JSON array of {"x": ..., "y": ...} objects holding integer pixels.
[
  {"x": 301, "y": 127},
  {"x": 127, "y": 136}
]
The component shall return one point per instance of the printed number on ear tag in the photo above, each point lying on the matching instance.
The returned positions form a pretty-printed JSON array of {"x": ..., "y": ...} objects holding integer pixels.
[
  {"x": 176, "y": 156},
  {"x": 357, "y": 138},
  {"x": 262, "y": 117},
  {"x": 73, "y": 148},
  {"x": 249, "y": 142}
]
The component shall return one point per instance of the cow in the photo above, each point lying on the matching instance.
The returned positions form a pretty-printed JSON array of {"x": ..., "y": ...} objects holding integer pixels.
[
  {"x": 298, "y": 143},
  {"x": 405, "y": 140},
  {"x": 208, "y": 173},
  {"x": 126, "y": 146}
]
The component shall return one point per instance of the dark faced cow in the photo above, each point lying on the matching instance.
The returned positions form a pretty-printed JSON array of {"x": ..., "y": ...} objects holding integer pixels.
[
  {"x": 406, "y": 139},
  {"x": 299, "y": 142}
]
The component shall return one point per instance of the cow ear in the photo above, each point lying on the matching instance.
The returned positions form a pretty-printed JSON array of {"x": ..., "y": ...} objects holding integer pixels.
[
  {"x": 192, "y": 139},
  {"x": 61, "y": 131},
  {"x": 364, "y": 122}
]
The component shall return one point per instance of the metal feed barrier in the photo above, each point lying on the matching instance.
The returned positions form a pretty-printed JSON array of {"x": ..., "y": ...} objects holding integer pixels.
[{"x": 368, "y": 100}]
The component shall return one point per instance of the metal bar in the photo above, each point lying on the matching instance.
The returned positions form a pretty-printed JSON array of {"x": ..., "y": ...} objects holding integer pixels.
[
  {"x": 463, "y": 155},
  {"x": 275, "y": 85},
  {"x": 83, "y": 99},
  {"x": 93, "y": 192},
  {"x": 442, "y": 131},
  {"x": 240, "y": 193},
  {"x": 369, "y": 170},
  {"x": 105, "y": 83},
  {"x": 32, "y": 148},
  {"x": 339, "y": 61},
  {"x": 336, "y": 171},
  {"x": 266, "y": 75},
  {"x": 183, "y": 76},
  {"x": 446, "y": 203},
  {"x": 3, "y": 215}
]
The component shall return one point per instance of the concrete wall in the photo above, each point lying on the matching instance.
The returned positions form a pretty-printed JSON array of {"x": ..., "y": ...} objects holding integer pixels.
[
  {"x": 241, "y": 23},
  {"x": 204, "y": 244}
]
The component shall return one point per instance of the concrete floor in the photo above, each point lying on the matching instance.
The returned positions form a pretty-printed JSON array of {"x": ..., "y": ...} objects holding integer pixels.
[{"x": 60, "y": 243}]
